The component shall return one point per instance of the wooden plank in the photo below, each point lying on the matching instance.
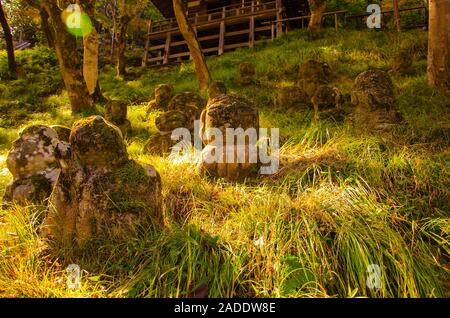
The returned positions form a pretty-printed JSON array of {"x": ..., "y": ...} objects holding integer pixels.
[
  {"x": 155, "y": 59},
  {"x": 240, "y": 32},
  {"x": 279, "y": 18},
  {"x": 222, "y": 33},
  {"x": 147, "y": 45},
  {"x": 272, "y": 30},
  {"x": 264, "y": 28},
  {"x": 202, "y": 39},
  {"x": 251, "y": 36},
  {"x": 167, "y": 48},
  {"x": 178, "y": 55},
  {"x": 157, "y": 47},
  {"x": 236, "y": 45},
  {"x": 336, "y": 22}
]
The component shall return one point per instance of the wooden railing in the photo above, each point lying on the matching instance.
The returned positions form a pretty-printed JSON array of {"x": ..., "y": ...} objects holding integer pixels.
[
  {"x": 228, "y": 13},
  {"x": 246, "y": 14},
  {"x": 304, "y": 21},
  {"x": 359, "y": 20},
  {"x": 244, "y": 23}
]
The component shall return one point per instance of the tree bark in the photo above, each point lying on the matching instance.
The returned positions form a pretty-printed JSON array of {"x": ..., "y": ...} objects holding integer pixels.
[
  {"x": 201, "y": 68},
  {"x": 90, "y": 55},
  {"x": 46, "y": 28},
  {"x": 438, "y": 43},
  {"x": 318, "y": 8},
  {"x": 396, "y": 15},
  {"x": 69, "y": 62},
  {"x": 12, "y": 66},
  {"x": 121, "y": 26}
]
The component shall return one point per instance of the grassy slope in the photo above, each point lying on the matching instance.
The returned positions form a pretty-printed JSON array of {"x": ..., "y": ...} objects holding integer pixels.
[{"x": 341, "y": 201}]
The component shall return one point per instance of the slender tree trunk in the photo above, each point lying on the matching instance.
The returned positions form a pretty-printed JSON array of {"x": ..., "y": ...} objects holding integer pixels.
[
  {"x": 438, "y": 43},
  {"x": 46, "y": 28},
  {"x": 396, "y": 15},
  {"x": 12, "y": 66},
  {"x": 318, "y": 8},
  {"x": 69, "y": 62},
  {"x": 121, "y": 26},
  {"x": 90, "y": 56},
  {"x": 201, "y": 68}
]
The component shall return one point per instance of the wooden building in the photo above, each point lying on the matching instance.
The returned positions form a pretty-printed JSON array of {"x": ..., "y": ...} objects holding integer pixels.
[{"x": 221, "y": 25}]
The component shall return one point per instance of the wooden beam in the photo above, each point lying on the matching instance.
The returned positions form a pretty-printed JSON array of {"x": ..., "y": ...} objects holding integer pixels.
[
  {"x": 336, "y": 22},
  {"x": 147, "y": 44},
  {"x": 396, "y": 14},
  {"x": 167, "y": 48},
  {"x": 251, "y": 37},
  {"x": 279, "y": 7},
  {"x": 222, "y": 33}
]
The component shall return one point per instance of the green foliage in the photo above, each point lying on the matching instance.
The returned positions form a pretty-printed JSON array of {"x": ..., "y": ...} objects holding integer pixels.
[{"x": 39, "y": 77}]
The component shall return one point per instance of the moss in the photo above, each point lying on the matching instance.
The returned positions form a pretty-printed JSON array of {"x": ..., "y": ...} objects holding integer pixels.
[
  {"x": 97, "y": 143},
  {"x": 131, "y": 174}
]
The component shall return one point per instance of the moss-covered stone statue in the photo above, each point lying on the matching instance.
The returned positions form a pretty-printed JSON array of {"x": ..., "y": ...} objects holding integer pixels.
[
  {"x": 162, "y": 96},
  {"x": 373, "y": 97},
  {"x": 33, "y": 165},
  {"x": 247, "y": 74},
  {"x": 312, "y": 75},
  {"x": 328, "y": 103},
  {"x": 292, "y": 97},
  {"x": 222, "y": 112},
  {"x": 116, "y": 113},
  {"x": 182, "y": 112},
  {"x": 100, "y": 191}
]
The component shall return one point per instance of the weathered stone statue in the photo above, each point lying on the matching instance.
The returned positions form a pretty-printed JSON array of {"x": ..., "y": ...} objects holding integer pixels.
[
  {"x": 312, "y": 75},
  {"x": 116, "y": 113},
  {"x": 163, "y": 95},
  {"x": 33, "y": 165},
  {"x": 100, "y": 191},
  {"x": 247, "y": 74},
  {"x": 373, "y": 96},
  {"x": 327, "y": 102},
  {"x": 292, "y": 97},
  {"x": 182, "y": 111},
  {"x": 222, "y": 112}
]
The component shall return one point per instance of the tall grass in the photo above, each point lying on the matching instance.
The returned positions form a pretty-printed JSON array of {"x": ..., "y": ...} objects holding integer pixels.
[{"x": 342, "y": 200}]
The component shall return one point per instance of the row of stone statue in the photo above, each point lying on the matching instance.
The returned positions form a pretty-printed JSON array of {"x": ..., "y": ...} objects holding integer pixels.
[{"x": 91, "y": 185}]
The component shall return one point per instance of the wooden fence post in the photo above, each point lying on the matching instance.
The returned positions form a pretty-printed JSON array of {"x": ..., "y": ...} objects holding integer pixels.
[
  {"x": 167, "y": 47},
  {"x": 396, "y": 14},
  {"x": 222, "y": 33},
  {"x": 336, "y": 22},
  {"x": 147, "y": 44},
  {"x": 279, "y": 6},
  {"x": 251, "y": 40}
]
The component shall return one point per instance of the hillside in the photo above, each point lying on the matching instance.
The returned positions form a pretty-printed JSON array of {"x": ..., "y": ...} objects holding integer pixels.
[{"x": 342, "y": 200}]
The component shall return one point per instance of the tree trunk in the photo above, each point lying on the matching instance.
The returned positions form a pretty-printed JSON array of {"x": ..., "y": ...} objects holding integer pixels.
[
  {"x": 201, "y": 68},
  {"x": 12, "y": 66},
  {"x": 46, "y": 28},
  {"x": 90, "y": 56},
  {"x": 438, "y": 43},
  {"x": 396, "y": 15},
  {"x": 121, "y": 26},
  {"x": 69, "y": 62},
  {"x": 318, "y": 8}
]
